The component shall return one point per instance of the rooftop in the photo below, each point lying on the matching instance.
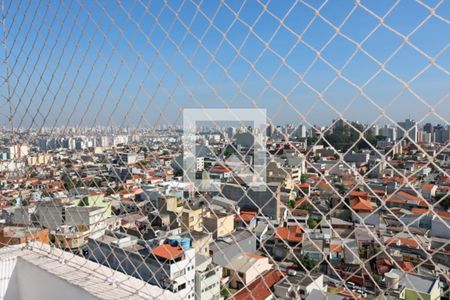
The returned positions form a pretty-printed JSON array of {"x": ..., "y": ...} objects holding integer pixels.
[
  {"x": 167, "y": 251},
  {"x": 290, "y": 233},
  {"x": 259, "y": 289},
  {"x": 243, "y": 262},
  {"x": 78, "y": 277},
  {"x": 224, "y": 242},
  {"x": 421, "y": 284}
]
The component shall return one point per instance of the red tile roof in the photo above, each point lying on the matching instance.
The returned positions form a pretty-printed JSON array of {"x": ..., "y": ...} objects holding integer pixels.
[
  {"x": 406, "y": 266},
  {"x": 290, "y": 233},
  {"x": 259, "y": 289},
  {"x": 335, "y": 248},
  {"x": 167, "y": 251},
  {"x": 419, "y": 211},
  {"x": 355, "y": 194},
  {"x": 396, "y": 200},
  {"x": 302, "y": 201},
  {"x": 303, "y": 185},
  {"x": 246, "y": 216},
  {"x": 220, "y": 168},
  {"x": 443, "y": 213},
  {"x": 428, "y": 187},
  {"x": 408, "y": 196},
  {"x": 252, "y": 255},
  {"x": 361, "y": 205}
]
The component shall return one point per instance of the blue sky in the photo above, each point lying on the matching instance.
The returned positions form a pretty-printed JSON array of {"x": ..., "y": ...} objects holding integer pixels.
[{"x": 98, "y": 62}]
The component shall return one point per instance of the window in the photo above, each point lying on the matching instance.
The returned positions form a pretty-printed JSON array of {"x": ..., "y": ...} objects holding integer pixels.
[{"x": 182, "y": 286}]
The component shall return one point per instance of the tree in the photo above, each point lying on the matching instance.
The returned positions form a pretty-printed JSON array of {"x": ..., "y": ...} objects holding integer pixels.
[
  {"x": 303, "y": 178},
  {"x": 340, "y": 187},
  {"x": 46, "y": 194},
  {"x": 343, "y": 137},
  {"x": 312, "y": 222},
  {"x": 84, "y": 202},
  {"x": 291, "y": 203},
  {"x": 224, "y": 292},
  {"x": 68, "y": 185},
  {"x": 305, "y": 206},
  {"x": 304, "y": 262},
  {"x": 229, "y": 150}
]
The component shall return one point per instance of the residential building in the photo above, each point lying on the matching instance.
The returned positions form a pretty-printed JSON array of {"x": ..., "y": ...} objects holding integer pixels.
[
  {"x": 207, "y": 278},
  {"x": 15, "y": 235},
  {"x": 244, "y": 268}
]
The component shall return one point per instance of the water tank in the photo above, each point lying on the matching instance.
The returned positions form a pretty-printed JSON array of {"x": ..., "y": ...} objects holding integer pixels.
[
  {"x": 185, "y": 243},
  {"x": 392, "y": 280},
  {"x": 173, "y": 241}
]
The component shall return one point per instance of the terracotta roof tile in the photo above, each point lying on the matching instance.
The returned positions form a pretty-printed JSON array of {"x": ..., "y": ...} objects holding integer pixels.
[
  {"x": 259, "y": 289},
  {"x": 361, "y": 205},
  {"x": 290, "y": 233},
  {"x": 167, "y": 251}
]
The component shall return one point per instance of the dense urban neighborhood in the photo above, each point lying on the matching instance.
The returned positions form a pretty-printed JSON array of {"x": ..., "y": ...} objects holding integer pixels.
[{"x": 347, "y": 211}]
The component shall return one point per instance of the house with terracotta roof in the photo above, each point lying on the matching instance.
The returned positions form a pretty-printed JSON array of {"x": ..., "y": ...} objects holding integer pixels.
[
  {"x": 336, "y": 252},
  {"x": 287, "y": 238},
  {"x": 303, "y": 189},
  {"x": 406, "y": 200},
  {"x": 261, "y": 288},
  {"x": 429, "y": 191},
  {"x": 245, "y": 219},
  {"x": 220, "y": 171},
  {"x": 173, "y": 267},
  {"x": 363, "y": 211},
  {"x": 245, "y": 268}
]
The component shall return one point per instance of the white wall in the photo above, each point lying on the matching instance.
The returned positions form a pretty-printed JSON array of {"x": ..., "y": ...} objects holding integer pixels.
[{"x": 28, "y": 282}]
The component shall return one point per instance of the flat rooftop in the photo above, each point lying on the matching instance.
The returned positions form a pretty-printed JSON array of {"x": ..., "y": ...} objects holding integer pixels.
[{"x": 42, "y": 269}]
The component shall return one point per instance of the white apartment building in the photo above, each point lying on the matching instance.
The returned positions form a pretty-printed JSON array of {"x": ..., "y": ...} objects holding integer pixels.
[
  {"x": 207, "y": 278},
  {"x": 388, "y": 132},
  {"x": 93, "y": 217},
  {"x": 173, "y": 268},
  {"x": 52, "y": 216}
]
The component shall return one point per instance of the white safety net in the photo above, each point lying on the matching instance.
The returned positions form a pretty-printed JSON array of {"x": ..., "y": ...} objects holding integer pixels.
[{"x": 133, "y": 155}]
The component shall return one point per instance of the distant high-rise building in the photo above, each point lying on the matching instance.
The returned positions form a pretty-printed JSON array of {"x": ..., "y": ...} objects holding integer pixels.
[
  {"x": 375, "y": 130},
  {"x": 300, "y": 132},
  {"x": 425, "y": 137},
  {"x": 428, "y": 128},
  {"x": 231, "y": 131},
  {"x": 442, "y": 134},
  {"x": 388, "y": 132},
  {"x": 269, "y": 130},
  {"x": 410, "y": 126}
]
